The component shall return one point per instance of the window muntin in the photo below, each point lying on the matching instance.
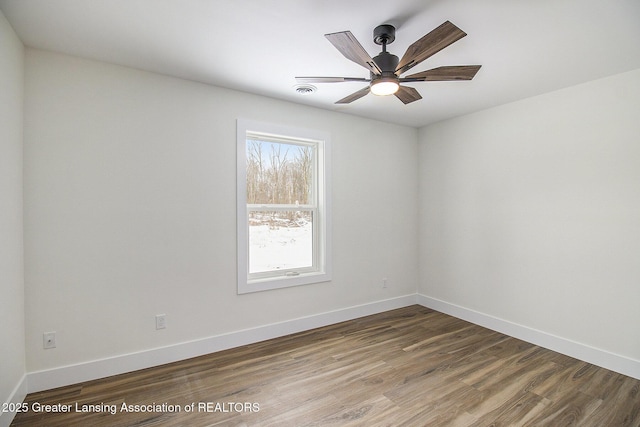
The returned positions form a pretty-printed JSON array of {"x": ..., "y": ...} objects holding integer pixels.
[{"x": 283, "y": 207}]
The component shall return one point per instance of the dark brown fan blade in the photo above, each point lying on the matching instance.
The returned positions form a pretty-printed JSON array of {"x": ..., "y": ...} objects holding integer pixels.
[
  {"x": 407, "y": 94},
  {"x": 356, "y": 95},
  {"x": 428, "y": 45},
  {"x": 440, "y": 74},
  {"x": 349, "y": 46},
  {"x": 330, "y": 79}
]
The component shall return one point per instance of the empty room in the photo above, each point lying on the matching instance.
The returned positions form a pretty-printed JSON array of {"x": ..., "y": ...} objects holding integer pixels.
[{"x": 322, "y": 213}]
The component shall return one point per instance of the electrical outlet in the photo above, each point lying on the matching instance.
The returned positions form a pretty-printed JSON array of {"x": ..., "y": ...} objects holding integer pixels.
[
  {"x": 384, "y": 283},
  {"x": 49, "y": 340},
  {"x": 161, "y": 321}
]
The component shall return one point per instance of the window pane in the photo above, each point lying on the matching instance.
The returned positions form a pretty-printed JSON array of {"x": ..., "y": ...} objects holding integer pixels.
[
  {"x": 281, "y": 240},
  {"x": 279, "y": 173}
]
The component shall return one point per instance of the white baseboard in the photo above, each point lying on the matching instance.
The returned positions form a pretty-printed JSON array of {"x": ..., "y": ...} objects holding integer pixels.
[
  {"x": 17, "y": 396},
  {"x": 595, "y": 356},
  {"x": 67, "y": 375},
  {"x": 72, "y": 374}
]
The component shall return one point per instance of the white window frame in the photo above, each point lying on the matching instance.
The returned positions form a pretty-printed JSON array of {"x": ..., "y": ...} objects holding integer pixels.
[{"x": 321, "y": 272}]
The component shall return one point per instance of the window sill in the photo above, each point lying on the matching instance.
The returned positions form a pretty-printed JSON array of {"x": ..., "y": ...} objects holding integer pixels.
[{"x": 268, "y": 283}]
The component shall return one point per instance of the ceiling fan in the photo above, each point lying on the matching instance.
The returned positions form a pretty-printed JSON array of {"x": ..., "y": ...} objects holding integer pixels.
[{"x": 385, "y": 68}]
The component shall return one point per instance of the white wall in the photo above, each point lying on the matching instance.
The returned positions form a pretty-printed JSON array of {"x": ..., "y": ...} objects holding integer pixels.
[
  {"x": 530, "y": 213},
  {"x": 130, "y": 211},
  {"x": 12, "y": 357}
]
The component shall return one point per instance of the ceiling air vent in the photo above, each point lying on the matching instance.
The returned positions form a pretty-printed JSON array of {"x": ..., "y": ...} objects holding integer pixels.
[{"x": 305, "y": 89}]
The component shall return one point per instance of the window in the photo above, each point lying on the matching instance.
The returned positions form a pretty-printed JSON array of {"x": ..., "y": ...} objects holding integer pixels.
[{"x": 283, "y": 206}]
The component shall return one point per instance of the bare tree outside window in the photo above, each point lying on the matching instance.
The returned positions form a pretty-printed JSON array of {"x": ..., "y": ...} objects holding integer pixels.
[{"x": 278, "y": 173}]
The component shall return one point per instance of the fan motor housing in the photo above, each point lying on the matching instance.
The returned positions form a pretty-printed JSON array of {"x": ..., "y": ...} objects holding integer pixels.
[{"x": 387, "y": 62}]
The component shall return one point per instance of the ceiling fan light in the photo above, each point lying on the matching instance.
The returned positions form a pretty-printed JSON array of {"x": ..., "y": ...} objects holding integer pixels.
[{"x": 384, "y": 87}]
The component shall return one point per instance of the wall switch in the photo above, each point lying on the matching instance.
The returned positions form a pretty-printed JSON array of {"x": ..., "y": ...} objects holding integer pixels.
[
  {"x": 161, "y": 321},
  {"x": 49, "y": 340}
]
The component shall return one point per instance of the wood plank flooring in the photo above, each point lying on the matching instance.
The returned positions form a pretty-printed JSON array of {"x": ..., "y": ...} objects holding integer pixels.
[{"x": 407, "y": 367}]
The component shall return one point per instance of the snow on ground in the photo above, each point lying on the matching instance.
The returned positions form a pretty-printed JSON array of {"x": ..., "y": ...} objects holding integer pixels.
[{"x": 279, "y": 247}]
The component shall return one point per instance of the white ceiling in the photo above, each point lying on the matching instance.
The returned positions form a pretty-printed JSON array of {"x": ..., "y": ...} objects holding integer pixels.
[{"x": 525, "y": 47}]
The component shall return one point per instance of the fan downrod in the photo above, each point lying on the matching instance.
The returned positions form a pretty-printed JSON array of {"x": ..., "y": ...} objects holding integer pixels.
[{"x": 384, "y": 34}]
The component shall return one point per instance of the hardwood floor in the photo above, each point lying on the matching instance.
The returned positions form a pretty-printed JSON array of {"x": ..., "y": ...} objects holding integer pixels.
[{"x": 407, "y": 367}]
